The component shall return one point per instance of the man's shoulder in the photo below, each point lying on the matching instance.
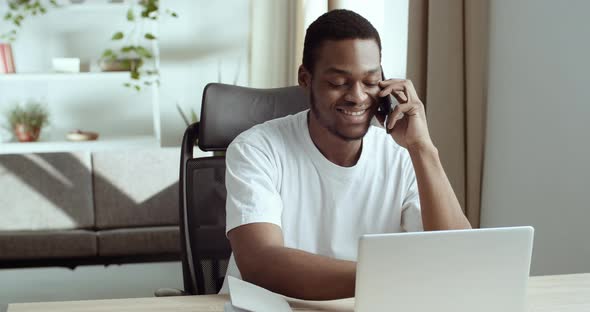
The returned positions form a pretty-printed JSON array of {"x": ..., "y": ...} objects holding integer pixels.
[{"x": 270, "y": 133}]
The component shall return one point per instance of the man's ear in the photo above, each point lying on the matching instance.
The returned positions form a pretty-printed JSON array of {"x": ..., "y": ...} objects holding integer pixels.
[{"x": 304, "y": 77}]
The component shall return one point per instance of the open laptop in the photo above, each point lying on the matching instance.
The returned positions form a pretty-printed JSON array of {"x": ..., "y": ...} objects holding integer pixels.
[{"x": 462, "y": 270}]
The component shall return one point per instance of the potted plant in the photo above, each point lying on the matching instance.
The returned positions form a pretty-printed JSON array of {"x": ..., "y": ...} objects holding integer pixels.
[{"x": 27, "y": 121}]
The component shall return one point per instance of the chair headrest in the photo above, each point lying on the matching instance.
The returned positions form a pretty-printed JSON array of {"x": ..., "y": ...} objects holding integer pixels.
[{"x": 229, "y": 110}]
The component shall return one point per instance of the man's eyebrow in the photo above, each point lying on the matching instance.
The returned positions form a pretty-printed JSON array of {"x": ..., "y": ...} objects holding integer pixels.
[{"x": 334, "y": 70}]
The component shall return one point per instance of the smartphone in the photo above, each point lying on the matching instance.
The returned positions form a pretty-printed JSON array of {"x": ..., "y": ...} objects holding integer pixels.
[{"x": 385, "y": 103}]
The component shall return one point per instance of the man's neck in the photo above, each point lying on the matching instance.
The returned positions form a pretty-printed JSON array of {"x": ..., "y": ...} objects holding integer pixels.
[{"x": 337, "y": 150}]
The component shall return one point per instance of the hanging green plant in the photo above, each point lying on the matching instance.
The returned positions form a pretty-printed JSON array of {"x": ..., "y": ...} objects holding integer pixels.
[
  {"x": 135, "y": 55},
  {"x": 19, "y": 10}
]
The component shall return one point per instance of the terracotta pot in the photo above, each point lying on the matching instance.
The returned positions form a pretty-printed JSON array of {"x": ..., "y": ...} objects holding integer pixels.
[{"x": 24, "y": 134}]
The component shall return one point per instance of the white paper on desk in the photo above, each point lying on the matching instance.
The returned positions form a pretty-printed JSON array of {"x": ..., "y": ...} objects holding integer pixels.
[
  {"x": 250, "y": 297},
  {"x": 230, "y": 308}
]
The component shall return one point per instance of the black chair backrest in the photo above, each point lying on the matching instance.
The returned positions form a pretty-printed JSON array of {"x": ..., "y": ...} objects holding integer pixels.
[{"x": 226, "y": 112}]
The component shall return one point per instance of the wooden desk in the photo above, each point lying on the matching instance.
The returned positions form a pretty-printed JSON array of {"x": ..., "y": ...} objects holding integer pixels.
[{"x": 561, "y": 293}]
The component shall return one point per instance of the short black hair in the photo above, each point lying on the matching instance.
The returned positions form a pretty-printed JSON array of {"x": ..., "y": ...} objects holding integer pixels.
[{"x": 336, "y": 25}]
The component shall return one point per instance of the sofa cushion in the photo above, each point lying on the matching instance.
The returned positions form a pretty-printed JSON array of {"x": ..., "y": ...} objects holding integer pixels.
[
  {"x": 47, "y": 191},
  {"x": 25, "y": 245},
  {"x": 136, "y": 187},
  {"x": 139, "y": 241}
]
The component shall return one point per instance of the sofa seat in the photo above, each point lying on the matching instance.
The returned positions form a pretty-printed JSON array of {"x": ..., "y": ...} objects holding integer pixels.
[
  {"x": 24, "y": 245},
  {"x": 139, "y": 241}
]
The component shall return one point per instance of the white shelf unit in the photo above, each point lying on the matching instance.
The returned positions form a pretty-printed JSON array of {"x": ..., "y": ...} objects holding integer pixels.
[
  {"x": 90, "y": 101},
  {"x": 63, "y": 76},
  {"x": 67, "y": 146}
]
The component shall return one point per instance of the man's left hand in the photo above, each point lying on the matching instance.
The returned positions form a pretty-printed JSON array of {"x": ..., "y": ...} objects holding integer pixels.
[{"x": 407, "y": 121}]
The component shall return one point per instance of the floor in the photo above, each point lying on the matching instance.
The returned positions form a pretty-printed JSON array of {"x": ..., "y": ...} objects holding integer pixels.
[{"x": 87, "y": 282}]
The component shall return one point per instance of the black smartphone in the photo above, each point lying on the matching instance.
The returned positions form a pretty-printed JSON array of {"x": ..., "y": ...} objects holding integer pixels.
[{"x": 385, "y": 103}]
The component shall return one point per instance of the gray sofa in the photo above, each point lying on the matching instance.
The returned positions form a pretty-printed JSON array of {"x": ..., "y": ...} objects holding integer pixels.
[{"x": 106, "y": 207}]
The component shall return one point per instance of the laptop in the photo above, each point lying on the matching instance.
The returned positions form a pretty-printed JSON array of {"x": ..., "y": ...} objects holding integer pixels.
[{"x": 459, "y": 270}]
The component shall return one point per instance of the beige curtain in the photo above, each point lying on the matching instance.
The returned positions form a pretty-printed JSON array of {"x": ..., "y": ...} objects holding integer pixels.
[
  {"x": 275, "y": 51},
  {"x": 447, "y": 61}
]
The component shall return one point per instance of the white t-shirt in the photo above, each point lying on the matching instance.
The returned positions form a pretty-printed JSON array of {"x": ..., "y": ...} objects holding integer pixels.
[{"x": 275, "y": 174}]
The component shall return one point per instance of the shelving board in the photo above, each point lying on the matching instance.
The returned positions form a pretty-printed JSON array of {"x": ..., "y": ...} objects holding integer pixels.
[
  {"x": 106, "y": 143},
  {"x": 64, "y": 76}
]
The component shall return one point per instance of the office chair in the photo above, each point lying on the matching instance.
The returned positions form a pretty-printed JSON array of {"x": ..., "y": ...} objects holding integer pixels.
[{"x": 226, "y": 111}]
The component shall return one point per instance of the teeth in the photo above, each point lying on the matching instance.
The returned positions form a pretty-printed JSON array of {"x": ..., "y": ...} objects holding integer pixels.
[{"x": 353, "y": 113}]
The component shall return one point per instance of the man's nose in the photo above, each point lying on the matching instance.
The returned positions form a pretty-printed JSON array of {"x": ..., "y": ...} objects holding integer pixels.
[{"x": 356, "y": 94}]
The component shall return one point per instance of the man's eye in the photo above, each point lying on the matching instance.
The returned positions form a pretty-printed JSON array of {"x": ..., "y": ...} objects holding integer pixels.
[
  {"x": 372, "y": 83},
  {"x": 336, "y": 84}
]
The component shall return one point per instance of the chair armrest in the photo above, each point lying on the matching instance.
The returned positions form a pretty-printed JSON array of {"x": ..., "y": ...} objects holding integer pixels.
[{"x": 169, "y": 292}]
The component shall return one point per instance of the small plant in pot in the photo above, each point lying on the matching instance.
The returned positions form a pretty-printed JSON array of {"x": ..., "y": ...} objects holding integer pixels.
[{"x": 27, "y": 121}]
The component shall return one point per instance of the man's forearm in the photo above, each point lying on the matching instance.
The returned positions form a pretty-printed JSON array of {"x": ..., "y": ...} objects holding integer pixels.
[
  {"x": 299, "y": 274},
  {"x": 440, "y": 208}
]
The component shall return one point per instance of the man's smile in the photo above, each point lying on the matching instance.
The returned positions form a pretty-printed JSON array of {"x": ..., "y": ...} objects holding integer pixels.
[{"x": 354, "y": 114}]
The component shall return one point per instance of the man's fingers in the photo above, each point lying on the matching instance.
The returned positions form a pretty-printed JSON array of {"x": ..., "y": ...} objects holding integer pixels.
[
  {"x": 386, "y": 90},
  {"x": 391, "y": 121},
  {"x": 390, "y": 86},
  {"x": 402, "y": 89},
  {"x": 395, "y": 115},
  {"x": 399, "y": 112},
  {"x": 384, "y": 83},
  {"x": 400, "y": 96}
]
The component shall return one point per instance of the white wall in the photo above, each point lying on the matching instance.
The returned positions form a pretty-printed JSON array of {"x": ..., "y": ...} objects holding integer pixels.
[
  {"x": 537, "y": 152},
  {"x": 207, "y": 43},
  {"x": 87, "y": 282}
]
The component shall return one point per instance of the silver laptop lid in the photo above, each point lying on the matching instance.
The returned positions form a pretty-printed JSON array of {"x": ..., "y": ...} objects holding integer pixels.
[{"x": 461, "y": 270}]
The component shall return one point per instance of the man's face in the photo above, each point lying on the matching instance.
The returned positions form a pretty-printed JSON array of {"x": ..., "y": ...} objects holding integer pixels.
[{"x": 344, "y": 85}]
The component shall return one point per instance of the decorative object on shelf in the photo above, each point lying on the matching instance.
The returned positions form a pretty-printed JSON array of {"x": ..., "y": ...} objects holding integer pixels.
[
  {"x": 18, "y": 10},
  {"x": 79, "y": 135},
  {"x": 115, "y": 65},
  {"x": 27, "y": 121},
  {"x": 66, "y": 64},
  {"x": 6, "y": 59},
  {"x": 133, "y": 49}
]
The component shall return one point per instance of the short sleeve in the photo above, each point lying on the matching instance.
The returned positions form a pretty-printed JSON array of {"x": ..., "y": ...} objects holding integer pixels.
[
  {"x": 252, "y": 195},
  {"x": 411, "y": 220}
]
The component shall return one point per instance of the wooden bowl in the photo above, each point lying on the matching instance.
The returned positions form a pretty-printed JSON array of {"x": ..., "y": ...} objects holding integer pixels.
[{"x": 78, "y": 136}]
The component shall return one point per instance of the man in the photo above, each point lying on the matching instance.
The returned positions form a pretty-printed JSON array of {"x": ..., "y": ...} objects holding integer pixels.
[{"x": 303, "y": 188}]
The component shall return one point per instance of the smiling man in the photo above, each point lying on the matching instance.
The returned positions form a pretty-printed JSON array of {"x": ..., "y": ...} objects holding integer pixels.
[{"x": 302, "y": 189}]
